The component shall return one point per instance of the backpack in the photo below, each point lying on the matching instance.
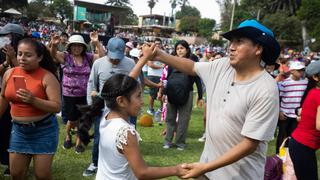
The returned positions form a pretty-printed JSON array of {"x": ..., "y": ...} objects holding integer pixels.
[
  {"x": 273, "y": 168},
  {"x": 177, "y": 89}
]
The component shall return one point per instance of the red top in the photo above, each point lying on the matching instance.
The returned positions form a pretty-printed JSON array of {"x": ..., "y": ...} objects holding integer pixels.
[
  {"x": 306, "y": 132},
  {"x": 33, "y": 84}
]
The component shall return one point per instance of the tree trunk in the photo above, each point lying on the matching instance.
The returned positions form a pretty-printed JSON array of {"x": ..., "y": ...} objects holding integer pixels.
[{"x": 304, "y": 33}]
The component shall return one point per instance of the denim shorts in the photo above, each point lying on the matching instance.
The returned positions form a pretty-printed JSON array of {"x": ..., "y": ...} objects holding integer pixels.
[{"x": 40, "y": 137}]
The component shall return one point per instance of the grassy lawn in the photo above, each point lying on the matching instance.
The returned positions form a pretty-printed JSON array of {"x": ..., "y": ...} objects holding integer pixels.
[{"x": 69, "y": 165}]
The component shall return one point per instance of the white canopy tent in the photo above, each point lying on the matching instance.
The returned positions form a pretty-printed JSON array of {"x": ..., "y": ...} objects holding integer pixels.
[{"x": 12, "y": 11}]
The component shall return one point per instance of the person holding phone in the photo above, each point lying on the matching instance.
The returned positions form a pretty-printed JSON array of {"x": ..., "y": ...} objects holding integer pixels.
[{"x": 33, "y": 91}]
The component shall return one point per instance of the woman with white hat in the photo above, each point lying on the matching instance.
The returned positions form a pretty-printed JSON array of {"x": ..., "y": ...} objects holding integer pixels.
[{"x": 76, "y": 64}]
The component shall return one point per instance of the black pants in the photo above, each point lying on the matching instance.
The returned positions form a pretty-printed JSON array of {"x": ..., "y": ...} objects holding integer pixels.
[
  {"x": 304, "y": 160},
  {"x": 286, "y": 127},
  {"x": 5, "y": 132}
]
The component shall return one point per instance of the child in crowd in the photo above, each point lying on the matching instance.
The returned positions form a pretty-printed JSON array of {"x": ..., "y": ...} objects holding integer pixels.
[
  {"x": 291, "y": 91},
  {"x": 119, "y": 155}
]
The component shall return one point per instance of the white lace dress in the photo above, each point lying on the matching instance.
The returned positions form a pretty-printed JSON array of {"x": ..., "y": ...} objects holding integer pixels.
[{"x": 113, "y": 165}]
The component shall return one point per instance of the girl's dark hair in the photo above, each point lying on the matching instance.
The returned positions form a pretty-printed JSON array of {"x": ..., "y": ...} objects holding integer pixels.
[
  {"x": 41, "y": 50},
  {"x": 15, "y": 40},
  {"x": 184, "y": 44},
  {"x": 311, "y": 84},
  {"x": 116, "y": 85}
]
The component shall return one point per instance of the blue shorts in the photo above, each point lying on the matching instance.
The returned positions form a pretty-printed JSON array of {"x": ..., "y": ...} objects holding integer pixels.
[{"x": 40, "y": 137}]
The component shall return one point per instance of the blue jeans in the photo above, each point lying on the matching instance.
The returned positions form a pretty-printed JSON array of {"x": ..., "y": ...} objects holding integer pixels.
[
  {"x": 37, "y": 138},
  {"x": 95, "y": 148}
]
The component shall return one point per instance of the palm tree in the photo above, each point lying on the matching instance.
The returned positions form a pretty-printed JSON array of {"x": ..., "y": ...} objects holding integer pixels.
[
  {"x": 121, "y": 3},
  {"x": 290, "y": 6},
  {"x": 173, "y": 6},
  {"x": 151, "y": 4},
  {"x": 183, "y": 3}
]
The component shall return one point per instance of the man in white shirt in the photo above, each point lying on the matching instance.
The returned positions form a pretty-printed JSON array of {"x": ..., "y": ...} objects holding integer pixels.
[{"x": 243, "y": 104}]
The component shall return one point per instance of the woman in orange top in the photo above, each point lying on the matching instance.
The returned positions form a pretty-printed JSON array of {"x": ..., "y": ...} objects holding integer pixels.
[{"x": 33, "y": 97}]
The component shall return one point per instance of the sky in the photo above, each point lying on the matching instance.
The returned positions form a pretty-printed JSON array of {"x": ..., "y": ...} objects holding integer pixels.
[{"x": 208, "y": 8}]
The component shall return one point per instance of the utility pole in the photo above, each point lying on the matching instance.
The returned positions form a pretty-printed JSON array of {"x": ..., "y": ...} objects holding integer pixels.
[{"x": 232, "y": 14}]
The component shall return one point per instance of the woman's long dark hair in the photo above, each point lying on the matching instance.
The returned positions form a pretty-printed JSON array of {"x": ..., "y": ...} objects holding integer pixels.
[
  {"x": 311, "y": 84},
  {"x": 117, "y": 85},
  {"x": 184, "y": 44},
  {"x": 41, "y": 50}
]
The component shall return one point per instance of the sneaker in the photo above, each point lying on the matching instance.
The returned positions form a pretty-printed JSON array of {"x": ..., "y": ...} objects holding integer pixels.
[
  {"x": 6, "y": 172},
  {"x": 79, "y": 149},
  {"x": 159, "y": 110},
  {"x": 150, "y": 111},
  {"x": 91, "y": 170},
  {"x": 203, "y": 138},
  {"x": 180, "y": 148},
  {"x": 67, "y": 144},
  {"x": 166, "y": 146}
]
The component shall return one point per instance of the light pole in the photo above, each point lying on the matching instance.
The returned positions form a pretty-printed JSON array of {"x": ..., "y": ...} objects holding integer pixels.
[{"x": 232, "y": 14}]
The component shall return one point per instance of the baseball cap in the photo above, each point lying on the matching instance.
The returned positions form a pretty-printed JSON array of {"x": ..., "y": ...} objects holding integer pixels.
[
  {"x": 12, "y": 28},
  {"x": 296, "y": 65},
  {"x": 35, "y": 35},
  {"x": 116, "y": 48}
]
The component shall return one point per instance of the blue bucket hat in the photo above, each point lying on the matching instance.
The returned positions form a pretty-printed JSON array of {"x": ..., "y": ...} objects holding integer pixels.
[
  {"x": 260, "y": 34},
  {"x": 116, "y": 48}
]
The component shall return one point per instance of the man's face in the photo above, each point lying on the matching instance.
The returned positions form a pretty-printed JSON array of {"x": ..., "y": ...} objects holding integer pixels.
[
  {"x": 158, "y": 44},
  {"x": 242, "y": 50}
]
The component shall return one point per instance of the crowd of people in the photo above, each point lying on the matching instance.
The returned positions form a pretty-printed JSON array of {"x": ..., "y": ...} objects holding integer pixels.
[{"x": 246, "y": 91}]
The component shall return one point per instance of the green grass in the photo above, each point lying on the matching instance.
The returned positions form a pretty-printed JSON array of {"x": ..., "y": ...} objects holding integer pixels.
[{"x": 69, "y": 165}]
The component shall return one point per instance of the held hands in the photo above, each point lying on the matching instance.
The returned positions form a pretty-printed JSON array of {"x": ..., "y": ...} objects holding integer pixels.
[
  {"x": 149, "y": 51},
  {"x": 192, "y": 170},
  {"x": 25, "y": 95}
]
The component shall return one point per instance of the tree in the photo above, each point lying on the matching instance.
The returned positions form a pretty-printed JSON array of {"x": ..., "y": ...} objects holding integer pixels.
[
  {"x": 173, "y": 5},
  {"x": 151, "y": 4},
  {"x": 121, "y": 3},
  {"x": 189, "y": 24},
  {"x": 310, "y": 15},
  {"x": 6, "y": 4},
  {"x": 286, "y": 28},
  {"x": 205, "y": 27},
  {"x": 188, "y": 11},
  {"x": 183, "y": 3},
  {"x": 127, "y": 17},
  {"x": 38, "y": 8},
  {"x": 62, "y": 9},
  {"x": 289, "y": 6}
]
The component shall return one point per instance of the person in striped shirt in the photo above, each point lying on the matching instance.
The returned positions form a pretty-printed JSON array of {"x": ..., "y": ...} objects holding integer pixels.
[{"x": 291, "y": 92}]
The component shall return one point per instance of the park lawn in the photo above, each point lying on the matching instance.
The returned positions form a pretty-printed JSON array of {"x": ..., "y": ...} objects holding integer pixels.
[{"x": 68, "y": 165}]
